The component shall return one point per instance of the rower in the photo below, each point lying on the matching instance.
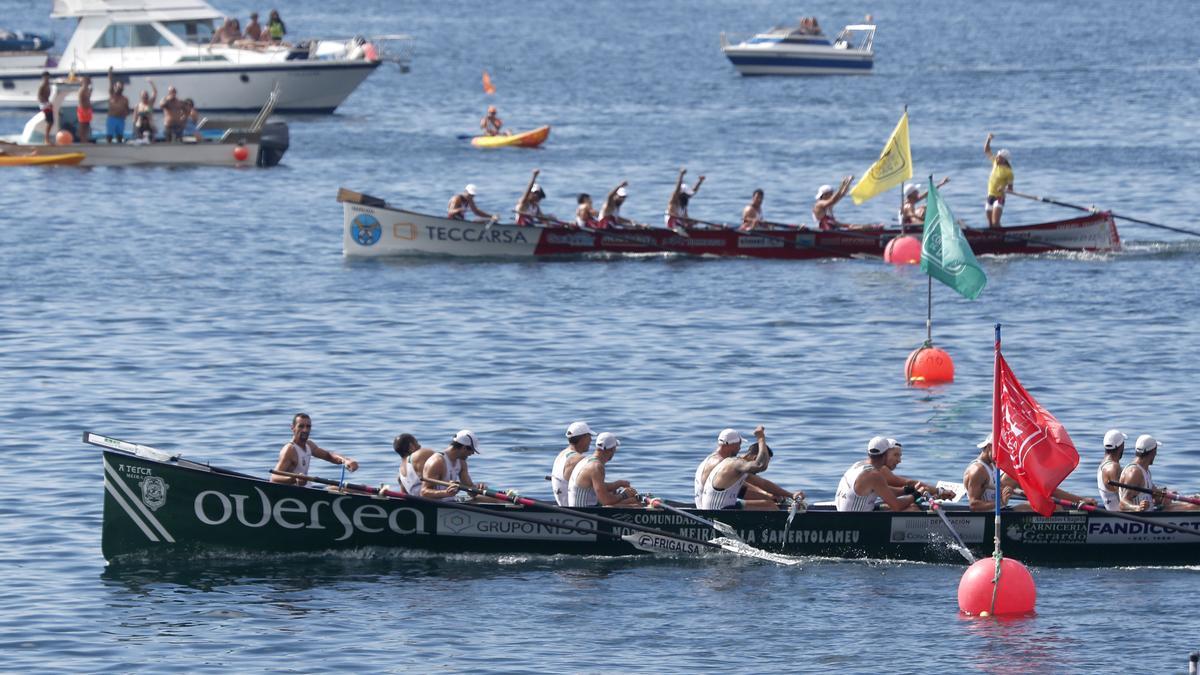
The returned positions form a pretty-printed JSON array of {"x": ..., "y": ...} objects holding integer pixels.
[
  {"x": 981, "y": 492},
  {"x": 459, "y": 203},
  {"x": 450, "y": 465},
  {"x": 491, "y": 123},
  {"x": 759, "y": 489},
  {"x": 864, "y": 486},
  {"x": 298, "y": 453},
  {"x": 587, "y": 486},
  {"x": 676, "y": 217},
  {"x": 999, "y": 182},
  {"x": 579, "y": 439},
  {"x": 1137, "y": 473},
  {"x": 585, "y": 215},
  {"x": 912, "y": 212},
  {"x": 892, "y": 460},
  {"x": 529, "y": 209},
  {"x": 412, "y": 460},
  {"x": 610, "y": 213},
  {"x": 1110, "y": 469},
  {"x": 752, "y": 216},
  {"x": 827, "y": 197},
  {"x": 722, "y": 484}
]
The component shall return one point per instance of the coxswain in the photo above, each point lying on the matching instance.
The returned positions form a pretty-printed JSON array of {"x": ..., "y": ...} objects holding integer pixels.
[
  {"x": 450, "y": 466},
  {"x": 412, "y": 460},
  {"x": 864, "y": 486},
  {"x": 490, "y": 123},
  {"x": 529, "y": 206},
  {"x": 1110, "y": 469},
  {"x": 118, "y": 109},
  {"x": 298, "y": 453},
  {"x": 44, "y": 104},
  {"x": 720, "y": 486},
  {"x": 610, "y": 213},
  {"x": 579, "y": 439},
  {"x": 461, "y": 202},
  {"x": 894, "y": 454},
  {"x": 827, "y": 198},
  {"x": 587, "y": 486},
  {"x": 1000, "y": 182},
  {"x": 84, "y": 111},
  {"x": 585, "y": 215},
  {"x": 912, "y": 212},
  {"x": 752, "y": 217},
  {"x": 676, "y": 217},
  {"x": 981, "y": 493}
]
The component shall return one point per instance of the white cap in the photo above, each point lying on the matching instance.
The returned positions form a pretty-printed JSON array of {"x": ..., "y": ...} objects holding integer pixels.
[
  {"x": 578, "y": 429},
  {"x": 607, "y": 441},
  {"x": 535, "y": 188},
  {"x": 467, "y": 437},
  {"x": 893, "y": 443},
  {"x": 985, "y": 442},
  {"x": 1145, "y": 444},
  {"x": 621, "y": 192},
  {"x": 687, "y": 190},
  {"x": 824, "y": 189},
  {"x": 1114, "y": 439},
  {"x": 470, "y": 189},
  {"x": 1003, "y": 154},
  {"x": 878, "y": 445},
  {"x": 729, "y": 436},
  {"x": 911, "y": 188}
]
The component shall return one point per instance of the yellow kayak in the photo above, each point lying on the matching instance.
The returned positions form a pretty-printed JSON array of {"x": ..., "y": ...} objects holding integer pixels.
[
  {"x": 529, "y": 139},
  {"x": 31, "y": 160}
]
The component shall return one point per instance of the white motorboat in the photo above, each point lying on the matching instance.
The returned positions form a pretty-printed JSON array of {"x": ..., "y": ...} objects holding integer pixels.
[
  {"x": 168, "y": 41},
  {"x": 803, "y": 50}
]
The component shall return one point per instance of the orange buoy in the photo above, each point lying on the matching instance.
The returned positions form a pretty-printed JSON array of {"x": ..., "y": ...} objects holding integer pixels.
[
  {"x": 63, "y": 137},
  {"x": 240, "y": 153},
  {"x": 904, "y": 250},
  {"x": 1015, "y": 593},
  {"x": 927, "y": 366}
]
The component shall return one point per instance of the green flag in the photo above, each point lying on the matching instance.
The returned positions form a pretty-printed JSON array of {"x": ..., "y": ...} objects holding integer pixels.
[{"x": 945, "y": 253}]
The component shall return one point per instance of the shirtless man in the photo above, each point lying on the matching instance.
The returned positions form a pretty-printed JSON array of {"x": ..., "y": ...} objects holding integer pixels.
[
  {"x": 720, "y": 478},
  {"x": 752, "y": 215},
  {"x": 412, "y": 460},
  {"x": 461, "y": 202},
  {"x": 529, "y": 209},
  {"x": 587, "y": 486},
  {"x": 43, "y": 95},
  {"x": 84, "y": 111},
  {"x": 491, "y": 124},
  {"x": 912, "y": 212},
  {"x": 450, "y": 465},
  {"x": 864, "y": 486},
  {"x": 610, "y": 213},
  {"x": 1110, "y": 469},
  {"x": 253, "y": 28},
  {"x": 118, "y": 109},
  {"x": 1000, "y": 182},
  {"x": 827, "y": 198},
  {"x": 676, "y": 217},
  {"x": 579, "y": 439},
  {"x": 174, "y": 115},
  {"x": 298, "y": 453}
]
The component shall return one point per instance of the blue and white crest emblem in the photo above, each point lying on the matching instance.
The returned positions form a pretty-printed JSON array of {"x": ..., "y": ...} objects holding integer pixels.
[
  {"x": 365, "y": 229},
  {"x": 154, "y": 492}
]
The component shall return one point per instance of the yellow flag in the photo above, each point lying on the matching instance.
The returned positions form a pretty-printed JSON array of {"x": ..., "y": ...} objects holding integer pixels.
[{"x": 893, "y": 167}]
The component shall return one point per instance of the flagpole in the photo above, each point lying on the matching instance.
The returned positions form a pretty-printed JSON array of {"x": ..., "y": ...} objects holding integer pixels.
[
  {"x": 996, "y": 465},
  {"x": 928, "y": 298}
]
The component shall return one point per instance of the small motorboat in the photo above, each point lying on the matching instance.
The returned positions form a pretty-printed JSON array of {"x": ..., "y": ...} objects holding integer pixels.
[
  {"x": 803, "y": 50},
  {"x": 528, "y": 139},
  {"x": 66, "y": 158},
  {"x": 23, "y": 50}
]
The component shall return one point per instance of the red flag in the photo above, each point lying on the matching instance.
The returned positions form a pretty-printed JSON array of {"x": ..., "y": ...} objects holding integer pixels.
[
  {"x": 1030, "y": 444},
  {"x": 487, "y": 84}
]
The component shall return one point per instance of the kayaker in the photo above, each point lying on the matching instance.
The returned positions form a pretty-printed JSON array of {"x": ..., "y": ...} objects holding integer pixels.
[
  {"x": 585, "y": 215},
  {"x": 729, "y": 442},
  {"x": 1000, "y": 182},
  {"x": 43, "y": 95},
  {"x": 529, "y": 206},
  {"x": 892, "y": 459},
  {"x": 579, "y": 439},
  {"x": 610, "y": 213},
  {"x": 1110, "y": 469},
  {"x": 298, "y": 453},
  {"x": 450, "y": 465},
  {"x": 864, "y": 485},
  {"x": 459, "y": 203},
  {"x": 912, "y": 212},
  {"x": 143, "y": 114},
  {"x": 587, "y": 486},
  {"x": 827, "y": 198},
  {"x": 676, "y": 217},
  {"x": 118, "y": 109},
  {"x": 752, "y": 214},
  {"x": 412, "y": 460},
  {"x": 174, "y": 115},
  {"x": 490, "y": 123}
]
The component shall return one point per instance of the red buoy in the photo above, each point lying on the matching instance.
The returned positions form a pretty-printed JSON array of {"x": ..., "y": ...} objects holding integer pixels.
[
  {"x": 63, "y": 137},
  {"x": 1016, "y": 593},
  {"x": 240, "y": 153},
  {"x": 904, "y": 250},
  {"x": 927, "y": 366}
]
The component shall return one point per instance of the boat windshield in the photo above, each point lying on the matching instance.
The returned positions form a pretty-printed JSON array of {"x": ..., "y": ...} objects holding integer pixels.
[{"x": 192, "y": 31}]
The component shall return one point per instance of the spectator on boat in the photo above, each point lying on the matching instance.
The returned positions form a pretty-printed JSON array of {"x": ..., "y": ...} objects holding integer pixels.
[
  {"x": 809, "y": 26},
  {"x": 864, "y": 486},
  {"x": 450, "y": 465},
  {"x": 579, "y": 439},
  {"x": 491, "y": 124},
  {"x": 827, "y": 198},
  {"x": 1110, "y": 469},
  {"x": 298, "y": 453},
  {"x": 459, "y": 203},
  {"x": 84, "y": 111},
  {"x": 225, "y": 34},
  {"x": 585, "y": 215},
  {"x": 118, "y": 109},
  {"x": 191, "y": 120},
  {"x": 587, "y": 486},
  {"x": 529, "y": 206},
  {"x": 253, "y": 29},
  {"x": 143, "y": 114},
  {"x": 412, "y": 460},
  {"x": 912, "y": 212},
  {"x": 47, "y": 108},
  {"x": 980, "y": 483},
  {"x": 174, "y": 115},
  {"x": 275, "y": 28},
  {"x": 1000, "y": 182},
  {"x": 610, "y": 213},
  {"x": 723, "y": 479},
  {"x": 676, "y": 217},
  {"x": 752, "y": 216}
]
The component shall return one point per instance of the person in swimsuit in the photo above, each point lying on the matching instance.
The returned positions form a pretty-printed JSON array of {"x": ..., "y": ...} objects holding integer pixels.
[
  {"x": 752, "y": 217},
  {"x": 490, "y": 123},
  {"x": 677, "y": 206},
  {"x": 412, "y": 460},
  {"x": 275, "y": 28},
  {"x": 44, "y": 104},
  {"x": 174, "y": 115},
  {"x": 1000, "y": 182},
  {"x": 118, "y": 109},
  {"x": 587, "y": 486},
  {"x": 912, "y": 212},
  {"x": 295, "y": 455},
  {"x": 254, "y": 29},
  {"x": 827, "y": 198},
  {"x": 529, "y": 209},
  {"x": 461, "y": 202},
  {"x": 450, "y": 465},
  {"x": 84, "y": 112},
  {"x": 585, "y": 215},
  {"x": 610, "y": 213},
  {"x": 143, "y": 114}
]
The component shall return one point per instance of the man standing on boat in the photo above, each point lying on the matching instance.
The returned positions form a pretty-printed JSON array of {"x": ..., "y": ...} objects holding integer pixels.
[
  {"x": 610, "y": 213},
  {"x": 864, "y": 485},
  {"x": 827, "y": 198},
  {"x": 720, "y": 485},
  {"x": 1110, "y": 469},
  {"x": 298, "y": 453},
  {"x": 579, "y": 439},
  {"x": 491, "y": 124},
  {"x": 118, "y": 109},
  {"x": 1000, "y": 182},
  {"x": 174, "y": 115},
  {"x": 677, "y": 206},
  {"x": 587, "y": 486},
  {"x": 84, "y": 112},
  {"x": 752, "y": 215},
  {"x": 450, "y": 465},
  {"x": 459, "y": 203}
]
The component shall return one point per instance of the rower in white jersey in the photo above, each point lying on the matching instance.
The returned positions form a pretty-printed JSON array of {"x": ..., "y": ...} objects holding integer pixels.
[
  {"x": 412, "y": 460},
  {"x": 1137, "y": 473},
  {"x": 587, "y": 486},
  {"x": 979, "y": 479},
  {"x": 298, "y": 453},
  {"x": 733, "y": 482},
  {"x": 755, "y": 492},
  {"x": 450, "y": 465},
  {"x": 1110, "y": 469},
  {"x": 864, "y": 486},
  {"x": 579, "y": 439}
]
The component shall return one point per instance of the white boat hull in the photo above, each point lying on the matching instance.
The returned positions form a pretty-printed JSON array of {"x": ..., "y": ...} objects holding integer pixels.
[
  {"x": 169, "y": 154},
  {"x": 758, "y": 60},
  {"x": 372, "y": 232}
]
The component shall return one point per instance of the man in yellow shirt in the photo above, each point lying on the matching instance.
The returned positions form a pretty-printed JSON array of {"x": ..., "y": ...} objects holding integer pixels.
[{"x": 999, "y": 182}]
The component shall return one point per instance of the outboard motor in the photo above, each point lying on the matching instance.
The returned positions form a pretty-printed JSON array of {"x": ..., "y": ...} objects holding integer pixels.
[{"x": 272, "y": 143}]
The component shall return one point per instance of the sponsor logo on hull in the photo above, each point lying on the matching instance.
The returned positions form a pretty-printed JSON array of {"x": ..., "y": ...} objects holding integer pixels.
[
  {"x": 495, "y": 235},
  {"x": 931, "y": 529},
  {"x": 1053, "y": 530},
  {"x": 454, "y": 523},
  {"x": 1113, "y": 531},
  {"x": 216, "y": 508}
]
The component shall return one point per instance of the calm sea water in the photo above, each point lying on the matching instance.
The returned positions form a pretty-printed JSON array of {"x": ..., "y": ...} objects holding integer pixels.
[{"x": 198, "y": 309}]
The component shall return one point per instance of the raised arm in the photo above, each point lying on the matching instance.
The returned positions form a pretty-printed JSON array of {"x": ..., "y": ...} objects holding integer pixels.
[
  {"x": 612, "y": 194},
  {"x": 677, "y": 188},
  {"x": 987, "y": 148},
  {"x": 696, "y": 187},
  {"x": 525, "y": 195},
  {"x": 112, "y": 83}
]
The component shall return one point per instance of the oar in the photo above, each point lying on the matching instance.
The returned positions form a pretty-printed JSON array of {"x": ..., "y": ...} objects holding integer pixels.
[
  {"x": 1125, "y": 516},
  {"x": 1175, "y": 496},
  {"x": 961, "y": 548},
  {"x": 1038, "y": 198},
  {"x": 716, "y": 525}
]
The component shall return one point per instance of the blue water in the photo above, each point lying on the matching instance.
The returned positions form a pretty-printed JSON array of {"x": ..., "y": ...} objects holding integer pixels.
[{"x": 196, "y": 310}]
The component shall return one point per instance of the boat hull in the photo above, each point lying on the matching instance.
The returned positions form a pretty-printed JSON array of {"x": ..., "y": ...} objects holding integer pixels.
[
  {"x": 370, "y": 231},
  {"x": 180, "y": 509},
  {"x": 528, "y": 139},
  {"x": 264, "y": 149},
  {"x": 774, "y": 60},
  {"x": 62, "y": 158}
]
